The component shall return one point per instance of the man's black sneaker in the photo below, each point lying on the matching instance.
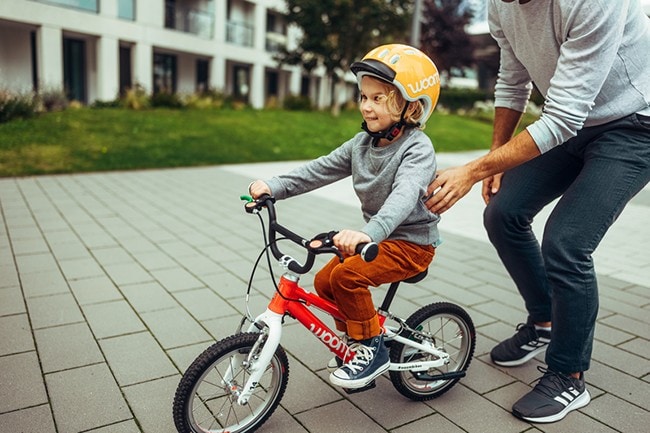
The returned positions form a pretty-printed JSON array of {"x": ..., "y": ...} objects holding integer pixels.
[
  {"x": 370, "y": 360},
  {"x": 521, "y": 347},
  {"x": 554, "y": 396}
]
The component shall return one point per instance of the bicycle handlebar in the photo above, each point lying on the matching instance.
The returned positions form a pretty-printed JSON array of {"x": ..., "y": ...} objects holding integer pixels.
[{"x": 320, "y": 244}]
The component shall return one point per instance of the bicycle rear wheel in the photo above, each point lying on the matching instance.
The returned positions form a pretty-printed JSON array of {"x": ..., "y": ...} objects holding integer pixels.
[
  {"x": 447, "y": 327},
  {"x": 206, "y": 397}
]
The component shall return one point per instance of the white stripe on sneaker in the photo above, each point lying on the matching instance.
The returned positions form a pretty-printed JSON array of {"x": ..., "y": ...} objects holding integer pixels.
[
  {"x": 567, "y": 396},
  {"x": 535, "y": 344}
]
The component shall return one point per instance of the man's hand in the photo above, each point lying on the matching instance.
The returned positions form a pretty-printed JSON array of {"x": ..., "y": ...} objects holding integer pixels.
[
  {"x": 491, "y": 185},
  {"x": 448, "y": 187}
]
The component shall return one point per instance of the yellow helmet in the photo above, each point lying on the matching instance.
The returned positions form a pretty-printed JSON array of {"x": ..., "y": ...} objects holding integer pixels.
[{"x": 408, "y": 69}]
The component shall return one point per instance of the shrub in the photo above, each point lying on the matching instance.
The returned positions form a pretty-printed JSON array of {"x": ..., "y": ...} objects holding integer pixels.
[
  {"x": 115, "y": 103},
  {"x": 53, "y": 100},
  {"x": 16, "y": 106},
  {"x": 166, "y": 99},
  {"x": 297, "y": 103},
  {"x": 271, "y": 102},
  {"x": 207, "y": 99},
  {"x": 136, "y": 98}
]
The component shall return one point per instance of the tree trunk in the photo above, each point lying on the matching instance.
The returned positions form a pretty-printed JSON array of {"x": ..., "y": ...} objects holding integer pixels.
[{"x": 335, "y": 105}]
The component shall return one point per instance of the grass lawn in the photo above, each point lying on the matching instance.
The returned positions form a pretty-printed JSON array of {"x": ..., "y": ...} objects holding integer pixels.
[{"x": 83, "y": 140}]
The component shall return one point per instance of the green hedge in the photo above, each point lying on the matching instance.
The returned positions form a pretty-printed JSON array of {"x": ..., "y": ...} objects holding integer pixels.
[
  {"x": 16, "y": 107},
  {"x": 455, "y": 99}
]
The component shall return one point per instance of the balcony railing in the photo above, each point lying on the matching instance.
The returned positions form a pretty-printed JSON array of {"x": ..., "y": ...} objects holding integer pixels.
[
  {"x": 275, "y": 41},
  {"x": 240, "y": 33},
  {"x": 197, "y": 22}
]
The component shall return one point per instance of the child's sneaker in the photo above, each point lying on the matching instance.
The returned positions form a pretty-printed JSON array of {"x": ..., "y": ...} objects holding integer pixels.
[
  {"x": 521, "y": 347},
  {"x": 370, "y": 360},
  {"x": 336, "y": 362},
  {"x": 554, "y": 396}
]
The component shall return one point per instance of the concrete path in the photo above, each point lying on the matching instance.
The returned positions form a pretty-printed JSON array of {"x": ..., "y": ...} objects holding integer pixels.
[{"x": 111, "y": 283}]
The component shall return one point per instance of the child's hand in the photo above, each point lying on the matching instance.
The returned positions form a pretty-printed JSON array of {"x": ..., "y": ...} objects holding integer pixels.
[
  {"x": 258, "y": 188},
  {"x": 347, "y": 240}
]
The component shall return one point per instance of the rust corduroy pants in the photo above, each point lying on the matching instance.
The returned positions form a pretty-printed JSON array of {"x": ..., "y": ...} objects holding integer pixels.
[{"x": 346, "y": 284}]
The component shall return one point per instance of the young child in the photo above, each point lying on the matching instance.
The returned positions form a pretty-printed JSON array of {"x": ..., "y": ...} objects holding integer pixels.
[{"x": 391, "y": 165}]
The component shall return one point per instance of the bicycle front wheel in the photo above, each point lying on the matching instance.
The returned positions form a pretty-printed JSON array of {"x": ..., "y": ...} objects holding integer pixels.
[
  {"x": 206, "y": 397},
  {"x": 447, "y": 327}
]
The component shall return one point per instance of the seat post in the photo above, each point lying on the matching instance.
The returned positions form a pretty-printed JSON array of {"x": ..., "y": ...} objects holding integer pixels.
[
  {"x": 388, "y": 299},
  {"x": 390, "y": 294}
]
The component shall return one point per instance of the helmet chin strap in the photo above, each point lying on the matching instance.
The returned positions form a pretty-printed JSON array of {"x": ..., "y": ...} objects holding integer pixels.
[{"x": 389, "y": 133}]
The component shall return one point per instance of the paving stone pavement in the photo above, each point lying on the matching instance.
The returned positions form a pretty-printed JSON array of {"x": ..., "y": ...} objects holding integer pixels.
[{"x": 111, "y": 283}]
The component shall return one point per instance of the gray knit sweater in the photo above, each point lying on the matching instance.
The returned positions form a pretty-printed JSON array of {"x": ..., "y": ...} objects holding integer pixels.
[
  {"x": 390, "y": 182},
  {"x": 589, "y": 58}
]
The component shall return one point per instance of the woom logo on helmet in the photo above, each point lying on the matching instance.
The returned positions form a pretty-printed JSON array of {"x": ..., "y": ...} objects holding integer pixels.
[{"x": 425, "y": 83}]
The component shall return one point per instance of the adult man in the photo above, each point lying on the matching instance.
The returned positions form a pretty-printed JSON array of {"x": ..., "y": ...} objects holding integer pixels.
[{"x": 591, "y": 147}]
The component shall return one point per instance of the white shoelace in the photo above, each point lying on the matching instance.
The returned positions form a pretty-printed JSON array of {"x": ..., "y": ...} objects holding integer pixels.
[{"x": 362, "y": 357}]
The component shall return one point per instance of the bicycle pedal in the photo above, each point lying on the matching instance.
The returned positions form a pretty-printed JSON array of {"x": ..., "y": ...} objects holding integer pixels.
[{"x": 371, "y": 385}]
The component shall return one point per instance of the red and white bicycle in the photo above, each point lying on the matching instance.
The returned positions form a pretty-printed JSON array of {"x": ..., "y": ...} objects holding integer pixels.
[{"x": 235, "y": 385}]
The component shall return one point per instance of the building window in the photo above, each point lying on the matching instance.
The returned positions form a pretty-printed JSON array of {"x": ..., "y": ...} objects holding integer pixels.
[
  {"x": 240, "y": 28},
  {"x": 32, "y": 43},
  {"x": 183, "y": 17},
  {"x": 305, "y": 81},
  {"x": 86, "y": 5},
  {"x": 202, "y": 75},
  {"x": 164, "y": 73},
  {"x": 170, "y": 14},
  {"x": 276, "y": 32},
  {"x": 74, "y": 69},
  {"x": 240, "y": 33},
  {"x": 126, "y": 9},
  {"x": 126, "y": 81},
  {"x": 241, "y": 82},
  {"x": 272, "y": 83}
]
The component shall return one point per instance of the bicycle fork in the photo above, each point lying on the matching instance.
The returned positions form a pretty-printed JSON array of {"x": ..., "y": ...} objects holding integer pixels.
[{"x": 256, "y": 361}]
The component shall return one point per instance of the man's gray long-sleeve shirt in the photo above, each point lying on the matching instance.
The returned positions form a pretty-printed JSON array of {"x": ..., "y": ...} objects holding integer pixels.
[
  {"x": 390, "y": 182},
  {"x": 589, "y": 58}
]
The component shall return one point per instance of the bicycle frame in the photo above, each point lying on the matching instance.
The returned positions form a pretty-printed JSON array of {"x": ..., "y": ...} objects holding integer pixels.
[{"x": 293, "y": 300}]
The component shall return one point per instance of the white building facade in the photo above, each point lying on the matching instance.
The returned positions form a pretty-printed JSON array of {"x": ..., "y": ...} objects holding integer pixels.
[{"x": 96, "y": 49}]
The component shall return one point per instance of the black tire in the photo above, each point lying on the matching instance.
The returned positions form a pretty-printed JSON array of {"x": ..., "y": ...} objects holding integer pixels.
[
  {"x": 448, "y": 327},
  {"x": 203, "y": 403}
]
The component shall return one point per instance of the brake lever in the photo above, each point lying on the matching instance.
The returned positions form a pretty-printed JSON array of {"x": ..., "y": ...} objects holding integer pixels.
[
  {"x": 324, "y": 243},
  {"x": 253, "y": 206}
]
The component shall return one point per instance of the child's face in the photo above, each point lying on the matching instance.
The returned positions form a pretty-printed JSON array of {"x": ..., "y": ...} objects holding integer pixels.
[{"x": 373, "y": 104}]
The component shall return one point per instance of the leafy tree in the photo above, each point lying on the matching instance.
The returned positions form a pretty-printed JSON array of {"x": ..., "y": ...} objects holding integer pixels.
[
  {"x": 443, "y": 35},
  {"x": 338, "y": 32}
]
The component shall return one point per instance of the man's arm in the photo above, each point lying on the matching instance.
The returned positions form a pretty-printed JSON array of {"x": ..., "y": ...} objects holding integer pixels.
[
  {"x": 505, "y": 124},
  {"x": 453, "y": 184}
]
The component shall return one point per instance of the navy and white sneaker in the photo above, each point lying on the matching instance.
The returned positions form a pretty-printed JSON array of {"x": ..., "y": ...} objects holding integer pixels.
[
  {"x": 527, "y": 342},
  {"x": 554, "y": 396},
  {"x": 336, "y": 362},
  {"x": 370, "y": 360}
]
